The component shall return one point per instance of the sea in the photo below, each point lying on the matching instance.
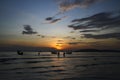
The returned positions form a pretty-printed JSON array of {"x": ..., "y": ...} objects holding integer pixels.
[{"x": 47, "y": 66}]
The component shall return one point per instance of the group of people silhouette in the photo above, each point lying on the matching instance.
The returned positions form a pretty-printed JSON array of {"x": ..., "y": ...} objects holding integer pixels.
[{"x": 58, "y": 54}]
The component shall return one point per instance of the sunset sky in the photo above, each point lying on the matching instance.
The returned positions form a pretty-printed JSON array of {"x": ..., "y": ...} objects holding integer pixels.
[{"x": 60, "y": 24}]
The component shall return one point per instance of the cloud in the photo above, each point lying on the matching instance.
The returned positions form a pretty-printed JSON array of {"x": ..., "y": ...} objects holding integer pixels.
[
  {"x": 28, "y": 30},
  {"x": 76, "y": 43},
  {"x": 69, "y": 37},
  {"x": 77, "y": 27},
  {"x": 103, "y": 20},
  {"x": 103, "y": 36},
  {"x": 73, "y": 38},
  {"x": 97, "y": 23},
  {"x": 42, "y": 36},
  {"x": 83, "y": 31},
  {"x": 49, "y": 18},
  {"x": 73, "y": 43},
  {"x": 45, "y": 36},
  {"x": 54, "y": 20},
  {"x": 66, "y": 5},
  {"x": 38, "y": 35},
  {"x": 60, "y": 40},
  {"x": 29, "y": 33}
]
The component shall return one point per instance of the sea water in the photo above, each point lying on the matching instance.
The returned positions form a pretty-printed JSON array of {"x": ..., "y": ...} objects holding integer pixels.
[{"x": 47, "y": 66}]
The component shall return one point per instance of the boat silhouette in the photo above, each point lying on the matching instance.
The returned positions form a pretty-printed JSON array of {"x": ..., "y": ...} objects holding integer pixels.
[
  {"x": 54, "y": 52},
  {"x": 19, "y": 52}
]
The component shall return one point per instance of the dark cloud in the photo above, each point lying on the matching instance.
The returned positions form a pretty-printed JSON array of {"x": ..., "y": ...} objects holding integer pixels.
[
  {"x": 45, "y": 36},
  {"x": 38, "y": 35},
  {"x": 28, "y": 30},
  {"x": 77, "y": 27},
  {"x": 73, "y": 43},
  {"x": 103, "y": 36},
  {"x": 49, "y": 18},
  {"x": 54, "y": 20},
  {"x": 42, "y": 36},
  {"x": 66, "y": 5},
  {"x": 29, "y": 33},
  {"x": 102, "y": 20},
  {"x": 69, "y": 37},
  {"x": 73, "y": 38},
  {"x": 90, "y": 31},
  {"x": 60, "y": 40}
]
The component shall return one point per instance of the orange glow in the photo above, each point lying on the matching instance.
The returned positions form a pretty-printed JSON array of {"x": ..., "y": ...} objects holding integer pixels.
[
  {"x": 58, "y": 47},
  {"x": 54, "y": 43}
]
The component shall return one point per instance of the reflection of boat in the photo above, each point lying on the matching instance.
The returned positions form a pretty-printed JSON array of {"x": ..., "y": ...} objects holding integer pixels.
[
  {"x": 53, "y": 52},
  {"x": 19, "y": 52}
]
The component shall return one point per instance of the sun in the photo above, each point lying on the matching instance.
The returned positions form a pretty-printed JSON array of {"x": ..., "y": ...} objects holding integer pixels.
[
  {"x": 58, "y": 44},
  {"x": 58, "y": 47}
]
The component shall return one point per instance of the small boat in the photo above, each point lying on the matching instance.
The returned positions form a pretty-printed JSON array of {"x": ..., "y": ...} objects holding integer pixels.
[{"x": 19, "y": 52}]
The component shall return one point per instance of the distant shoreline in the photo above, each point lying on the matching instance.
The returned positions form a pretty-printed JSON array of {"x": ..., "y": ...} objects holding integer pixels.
[
  {"x": 96, "y": 50},
  {"x": 79, "y": 50}
]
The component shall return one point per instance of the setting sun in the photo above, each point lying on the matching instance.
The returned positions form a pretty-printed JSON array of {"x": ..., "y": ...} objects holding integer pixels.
[{"x": 58, "y": 47}]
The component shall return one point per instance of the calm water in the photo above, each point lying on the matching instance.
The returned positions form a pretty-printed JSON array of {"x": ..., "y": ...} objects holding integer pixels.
[{"x": 77, "y": 66}]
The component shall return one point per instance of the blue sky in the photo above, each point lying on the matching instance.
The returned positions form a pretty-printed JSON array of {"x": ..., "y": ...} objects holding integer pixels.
[{"x": 17, "y": 13}]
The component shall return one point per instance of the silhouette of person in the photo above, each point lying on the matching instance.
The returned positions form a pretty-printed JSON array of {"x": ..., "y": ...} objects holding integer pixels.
[
  {"x": 38, "y": 53},
  {"x": 58, "y": 54},
  {"x": 64, "y": 54}
]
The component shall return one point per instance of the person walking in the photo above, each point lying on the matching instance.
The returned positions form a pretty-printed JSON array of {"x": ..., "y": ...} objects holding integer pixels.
[
  {"x": 64, "y": 54},
  {"x": 58, "y": 54}
]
